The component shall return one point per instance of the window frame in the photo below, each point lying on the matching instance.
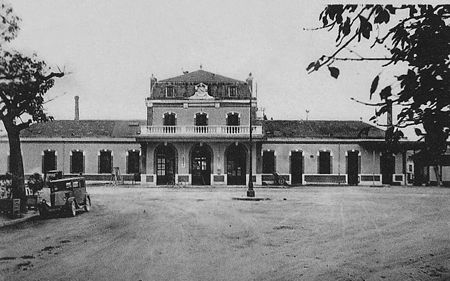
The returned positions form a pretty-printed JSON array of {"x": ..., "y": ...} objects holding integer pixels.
[
  {"x": 330, "y": 164},
  {"x": 44, "y": 164},
  {"x": 129, "y": 152},
  {"x": 266, "y": 166},
  {"x": 232, "y": 91},
  {"x": 100, "y": 161},
  {"x": 170, "y": 89},
  {"x": 72, "y": 163}
]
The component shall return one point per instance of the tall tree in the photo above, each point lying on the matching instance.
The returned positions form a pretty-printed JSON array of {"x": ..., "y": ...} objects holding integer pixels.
[
  {"x": 23, "y": 82},
  {"x": 418, "y": 38}
]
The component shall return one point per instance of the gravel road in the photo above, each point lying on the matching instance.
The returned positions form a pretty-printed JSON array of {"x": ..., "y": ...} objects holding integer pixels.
[{"x": 307, "y": 233}]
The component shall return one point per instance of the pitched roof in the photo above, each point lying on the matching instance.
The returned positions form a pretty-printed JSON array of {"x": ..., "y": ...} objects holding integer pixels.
[
  {"x": 201, "y": 76},
  {"x": 321, "y": 129},
  {"x": 272, "y": 128},
  {"x": 84, "y": 129}
]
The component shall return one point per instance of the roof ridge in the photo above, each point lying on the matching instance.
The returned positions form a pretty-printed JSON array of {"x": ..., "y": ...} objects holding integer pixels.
[{"x": 197, "y": 74}]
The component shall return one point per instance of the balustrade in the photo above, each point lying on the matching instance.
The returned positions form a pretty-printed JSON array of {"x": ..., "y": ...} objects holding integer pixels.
[{"x": 200, "y": 130}]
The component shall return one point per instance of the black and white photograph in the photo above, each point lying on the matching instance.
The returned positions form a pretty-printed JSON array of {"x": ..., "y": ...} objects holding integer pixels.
[{"x": 152, "y": 140}]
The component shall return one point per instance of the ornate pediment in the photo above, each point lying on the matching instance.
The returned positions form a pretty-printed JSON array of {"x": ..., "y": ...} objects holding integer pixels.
[{"x": 201, "y": 92}]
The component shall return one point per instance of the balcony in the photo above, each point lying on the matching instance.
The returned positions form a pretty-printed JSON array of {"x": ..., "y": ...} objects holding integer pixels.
[{"x": 201, "y": 131}]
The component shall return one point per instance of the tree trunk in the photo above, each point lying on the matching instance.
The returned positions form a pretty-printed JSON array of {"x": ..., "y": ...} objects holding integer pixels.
[{"x": 16, "y": 164}]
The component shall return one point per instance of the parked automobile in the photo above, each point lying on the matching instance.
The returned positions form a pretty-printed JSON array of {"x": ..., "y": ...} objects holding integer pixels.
[
  {"x": 65, "y": 196},
  {"x": 52, "y": 175}
]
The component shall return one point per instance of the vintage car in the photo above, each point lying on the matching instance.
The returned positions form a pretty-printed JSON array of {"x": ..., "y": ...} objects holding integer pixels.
[
  {"x": 52, "y": 175},
  {"x": 66, "y": 196}
]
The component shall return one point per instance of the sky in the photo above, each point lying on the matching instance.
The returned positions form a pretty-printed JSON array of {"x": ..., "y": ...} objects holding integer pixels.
[{"x": 110, "y": 48}]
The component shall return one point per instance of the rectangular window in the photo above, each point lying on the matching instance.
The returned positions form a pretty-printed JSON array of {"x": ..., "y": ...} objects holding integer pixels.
[
  {"x": 105, "y": 162},
  {"x": 77, "y": 162},
  {"x": 133, "y": 162},
  {"x": 268, "y": 162},
  {"x": 170, "y": 92},
  {"x": 324, "y": 162},
  {"x": 232, "y": 91},
  {"x": 49, "y": 161}
]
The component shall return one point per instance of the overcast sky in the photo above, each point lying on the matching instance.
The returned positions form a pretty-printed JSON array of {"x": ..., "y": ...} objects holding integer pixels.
[{"x": 111, "y": 48}]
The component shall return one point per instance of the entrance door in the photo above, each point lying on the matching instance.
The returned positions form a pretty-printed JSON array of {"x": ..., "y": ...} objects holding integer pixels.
[
  {"x": 387, "y": 167},
  {"x": 236, "y": 164},
  {"x": 201, "y": 165},
  {"x": 296, "y": 167},
  {"x": 352, "y": 167},
  {"x": 165, "y": 164}
]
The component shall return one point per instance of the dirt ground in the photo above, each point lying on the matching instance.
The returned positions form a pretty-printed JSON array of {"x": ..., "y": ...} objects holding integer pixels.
[{"x": 305, "y": 233}]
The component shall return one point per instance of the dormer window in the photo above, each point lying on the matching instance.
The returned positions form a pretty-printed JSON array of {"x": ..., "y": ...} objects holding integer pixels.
[
  {"x": 232, "y": 91},
  {"x": 170, "y": 92}
]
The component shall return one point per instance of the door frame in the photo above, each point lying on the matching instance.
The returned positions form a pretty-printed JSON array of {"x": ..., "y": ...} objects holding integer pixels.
[
  {"x": 169, "y": 166},
  {"x": 201, "y": 176},
  {"x": 240, "y": 150}
]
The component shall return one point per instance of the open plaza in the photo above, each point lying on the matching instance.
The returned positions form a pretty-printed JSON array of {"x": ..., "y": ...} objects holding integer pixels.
[{"x": 301, "y": 233}]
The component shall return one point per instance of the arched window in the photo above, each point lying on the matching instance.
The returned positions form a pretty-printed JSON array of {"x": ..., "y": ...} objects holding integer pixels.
[
  {"x": 268, "y": 159},
  {"x": 133, "y": 159},
  {"x": 233, "y": 119},
  {"x": 48, "y": 160},
  {"x": 324, "y": 165},
  {"x": 76, "y": 162},
  {"x": 170, "y": 119},
  {"x": 105, "y": 161},
  {"x": 201, "y": 119}
]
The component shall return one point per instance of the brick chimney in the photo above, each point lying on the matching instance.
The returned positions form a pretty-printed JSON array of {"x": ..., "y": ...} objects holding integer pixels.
[{"x": 77, "y": 108}]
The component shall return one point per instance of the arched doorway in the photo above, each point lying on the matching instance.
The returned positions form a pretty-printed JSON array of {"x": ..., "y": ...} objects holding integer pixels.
[
  {"x": 236, "y": 157},
  {"x": 165, "y": 164},
  {"x": 201, "y": 156}
]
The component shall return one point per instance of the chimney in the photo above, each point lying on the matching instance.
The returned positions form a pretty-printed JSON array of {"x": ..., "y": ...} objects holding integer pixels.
[{"x": 77, "y": 108}]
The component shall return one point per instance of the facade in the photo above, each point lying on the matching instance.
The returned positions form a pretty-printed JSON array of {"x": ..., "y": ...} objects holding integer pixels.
[
  {"x": 197, "y": 133},
  {"x": 197, "y": 130},
  {"x": 89, "y": 147}
]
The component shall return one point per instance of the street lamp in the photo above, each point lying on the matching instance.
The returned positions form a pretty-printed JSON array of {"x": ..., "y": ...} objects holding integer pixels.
[{"x": 250, "y": 190}]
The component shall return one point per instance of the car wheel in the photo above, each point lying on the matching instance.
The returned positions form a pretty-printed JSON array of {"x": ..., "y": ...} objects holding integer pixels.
[
  {"x": 73, "y": 209},
  {"x": 87, "y": 204}
]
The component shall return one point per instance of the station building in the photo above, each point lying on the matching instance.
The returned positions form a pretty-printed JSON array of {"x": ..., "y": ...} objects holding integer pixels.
[
  {"x": 197, "y": 133},
  {"x": 198, "y": 129}
]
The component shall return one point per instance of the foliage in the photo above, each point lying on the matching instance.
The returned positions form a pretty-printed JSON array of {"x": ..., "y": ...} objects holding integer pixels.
[
  {"x": 417, "y": 36},
  {"x": 24, "y": 80},
  {"x": 23, "y": 83},
  {"x": 35, "y": 182},
  {"x": 9, "y": 24}
]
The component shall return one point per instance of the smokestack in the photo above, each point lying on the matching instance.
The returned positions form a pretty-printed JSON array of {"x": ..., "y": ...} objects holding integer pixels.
[{"x": 77, "y": 108}]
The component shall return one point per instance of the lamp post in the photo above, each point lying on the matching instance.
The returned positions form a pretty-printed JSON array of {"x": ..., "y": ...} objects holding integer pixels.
[{"x": 250, "y": 190}]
